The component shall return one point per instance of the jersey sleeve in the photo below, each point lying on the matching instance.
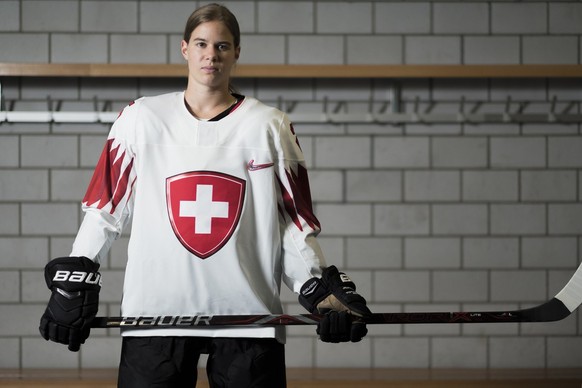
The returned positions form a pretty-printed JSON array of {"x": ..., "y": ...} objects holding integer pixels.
[
  {"x": 108, "y": 201},
  {"x": 302, "y": 257}
]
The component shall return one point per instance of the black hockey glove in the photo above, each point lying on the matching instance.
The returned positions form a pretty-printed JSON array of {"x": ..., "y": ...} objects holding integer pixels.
[
  {"x": 75, "y": 285},
  {"x": 335, "y": 296}
]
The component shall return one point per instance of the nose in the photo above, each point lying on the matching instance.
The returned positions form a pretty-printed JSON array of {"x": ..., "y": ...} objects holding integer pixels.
[{"x": 211, "y": 52}]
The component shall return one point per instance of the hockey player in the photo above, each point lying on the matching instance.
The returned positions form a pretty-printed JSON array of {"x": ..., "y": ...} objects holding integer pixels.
[{"x": 216, "y": 187}]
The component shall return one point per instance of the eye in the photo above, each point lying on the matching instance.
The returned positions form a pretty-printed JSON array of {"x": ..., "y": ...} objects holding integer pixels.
[
  {"x": 200, "y": 44},
  {"x": 223, "y": 47}
]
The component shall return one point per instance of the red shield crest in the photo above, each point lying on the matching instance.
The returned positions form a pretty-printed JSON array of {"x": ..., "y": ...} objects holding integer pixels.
[{"x": 204, "y": 209}]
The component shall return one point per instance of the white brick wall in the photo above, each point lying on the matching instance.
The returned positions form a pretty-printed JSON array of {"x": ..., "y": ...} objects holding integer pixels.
[{"x": 423, "y": 217}]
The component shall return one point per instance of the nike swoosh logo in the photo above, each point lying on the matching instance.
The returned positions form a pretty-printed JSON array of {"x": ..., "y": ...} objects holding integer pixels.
[{"x": 254, "y": 167}]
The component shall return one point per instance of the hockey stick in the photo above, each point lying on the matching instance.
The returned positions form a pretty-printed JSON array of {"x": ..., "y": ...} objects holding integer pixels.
[{"x": 557, "y": 308}]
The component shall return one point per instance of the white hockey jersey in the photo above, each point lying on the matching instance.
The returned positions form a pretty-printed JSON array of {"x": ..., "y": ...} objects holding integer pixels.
[{"x": 221, "y": 213}]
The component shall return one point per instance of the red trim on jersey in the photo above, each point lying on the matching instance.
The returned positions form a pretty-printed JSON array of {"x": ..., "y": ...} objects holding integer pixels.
[
  {"x": 121, "y": 111},
  {"x": 109, "y": 184},
  {"x": 296, "y": 138},
  {"x": 289, "y": 205},
  {"x": 299, "y": 204},
  {"x": 238, "y": 103}
]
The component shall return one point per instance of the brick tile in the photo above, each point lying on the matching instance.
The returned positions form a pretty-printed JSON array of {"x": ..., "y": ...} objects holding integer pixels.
[
  {"x": 316, "y": 50},
  {"x": 85, "y": 48},
  {"x": 518, "y": 286},
  {"x": 432, "y": 50},
  {"x": 374, "y": 50},
  {"x": 38, "y": 353},
  {"x": 401, "y": 286},
  {"x": 518, "y": 152},
  {"x": 402, "y": 18},
  {"x": 491, "y": 252},
  {"x": 550, "y": 50},
  {"x": 463, "y": 152},
  {"x": 23, "y": 185},
  {"x": 460, "y": 286},
  {"x": 400, "y": 220},
  {"x": 459, "y": 18},
  {"x": 333, "y": 218},
  {"x": 518, "y": 18},
  {"x": 138, "y": 49},
  {"x": 109, "y": 16},
  {"x": 344, "y": 18},
  {"x": 9, "y": 219},
  {"x": 9, "y": 15},
  {"x": 18, "y": 252},
  {"x": 55, "y": 151},
  {"x": 10, "y": 353},
  {"x": 491, "y": 50},
  {"x": 565, "y": 218},
  {"x": 432, "y": 186},
  {"x": 298, "y": 17},
  {"x": 400, "y": 152},
  {"x": 373, "y": 253},
  {"x": 459, "y": 219},
  {"x": 459, "y": 352},
  {"x": 24, "y": 47},
  {"x": 515, "y": 352},
  {"x": 337, "y": 152},
  {"x": 166, "y": 17},
  {"x": 491, "y": 186},
  {"x": 50, "y": 219},
  {"x": 518, "y": 219},
  {"x": 432, "y": 253},
  {"x": 563, "y": 352},
  {"x": 565, "y": 18},
  {"x": 9, "y": 151},
  {"x": 326, "y": 186},
  {"x": 544, "y": 252},
  {"x": 548, "y": 185},
  {"x": 50, "y": 16},
  {"x": 565, "y": 151},
  {"x": 373, "y": 186},
  {"x": 401, "y": 352}
]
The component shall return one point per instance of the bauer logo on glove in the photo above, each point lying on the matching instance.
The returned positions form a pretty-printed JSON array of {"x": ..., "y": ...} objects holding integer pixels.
[
  {"x": 335, "y": 295},
  {"x": 78, "y": 277}
]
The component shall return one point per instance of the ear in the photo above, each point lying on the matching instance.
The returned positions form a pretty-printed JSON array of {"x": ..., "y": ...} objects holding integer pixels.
[
  {"x": 184, "y": 49},
  {"x": 237, "y": 53}
]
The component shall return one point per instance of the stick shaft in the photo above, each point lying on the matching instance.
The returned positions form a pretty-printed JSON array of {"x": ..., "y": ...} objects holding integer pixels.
[
  {"x": 542, "y": 313},
  {"x": 557, "y": 308}
]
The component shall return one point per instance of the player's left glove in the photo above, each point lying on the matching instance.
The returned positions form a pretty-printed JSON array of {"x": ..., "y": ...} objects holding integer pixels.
[{"x": 335, "y": 296}]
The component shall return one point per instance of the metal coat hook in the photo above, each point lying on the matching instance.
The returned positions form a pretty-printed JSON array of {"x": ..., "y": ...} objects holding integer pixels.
[
  {"x": 396, "y": 94},
  {"x": 461, "y": 115},
  {"x": 552, "y": 115},
  {"x": 332, "y": 112},
  {"x": 415, "y": 116}
]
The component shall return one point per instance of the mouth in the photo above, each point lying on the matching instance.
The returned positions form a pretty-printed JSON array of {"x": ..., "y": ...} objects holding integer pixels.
[{"x": 210, "y": 69}]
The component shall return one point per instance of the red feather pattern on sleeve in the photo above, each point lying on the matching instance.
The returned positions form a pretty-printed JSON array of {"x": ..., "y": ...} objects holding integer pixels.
[
  {"x": 298, "y": 202},
  {"x": 110, "y": 180}
]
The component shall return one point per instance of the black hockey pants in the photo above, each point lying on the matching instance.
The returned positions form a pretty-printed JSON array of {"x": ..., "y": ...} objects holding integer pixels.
[{"x": 171, "y": 362}]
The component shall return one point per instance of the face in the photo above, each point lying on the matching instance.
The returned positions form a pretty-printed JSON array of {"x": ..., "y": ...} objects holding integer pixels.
[{"x": 211, "y": 55}]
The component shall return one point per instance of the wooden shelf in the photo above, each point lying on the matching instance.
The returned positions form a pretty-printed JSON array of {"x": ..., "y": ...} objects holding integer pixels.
[{"x": 295, "y": 71}]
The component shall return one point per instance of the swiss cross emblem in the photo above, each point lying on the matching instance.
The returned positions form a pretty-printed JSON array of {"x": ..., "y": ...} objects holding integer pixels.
[{"x": 204, "y": 209}]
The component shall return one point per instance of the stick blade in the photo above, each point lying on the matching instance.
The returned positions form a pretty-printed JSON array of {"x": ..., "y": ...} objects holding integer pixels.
[{"x": 552, "y": 310}]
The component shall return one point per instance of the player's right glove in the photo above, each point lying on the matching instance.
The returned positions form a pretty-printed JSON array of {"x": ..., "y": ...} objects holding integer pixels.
[
  {"x": 335, "y": 296},
  {"x": 75, "y": 284}
]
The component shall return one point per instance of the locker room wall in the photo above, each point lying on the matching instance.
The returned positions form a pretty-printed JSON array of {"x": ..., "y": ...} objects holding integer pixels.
[{"x": 423, "y": 217}]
